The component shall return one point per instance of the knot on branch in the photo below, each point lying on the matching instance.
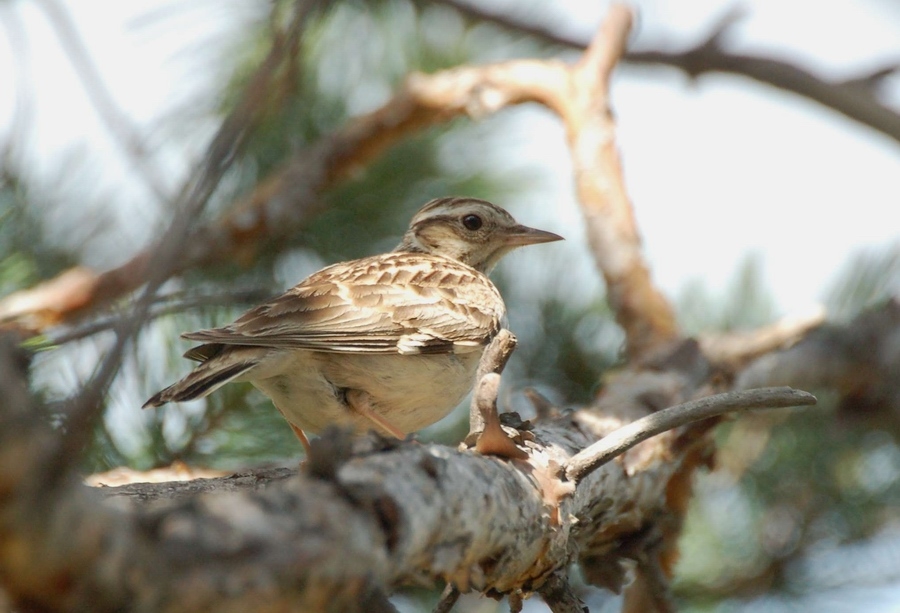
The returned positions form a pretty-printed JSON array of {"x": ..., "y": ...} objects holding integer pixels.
[{"x": 485, "y": 428}]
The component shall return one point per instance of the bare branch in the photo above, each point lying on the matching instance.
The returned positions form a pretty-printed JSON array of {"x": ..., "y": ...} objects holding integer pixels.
[
  {"x": 859, "y": 360},
  {"x": 161, "y": 307},
  {"x": 84, "y": 409},
  {"x": 733, "y": 350},
  {"x": 484, "y": 421},
  {"x": 287, "y": 199},
  {"x": 448, "y": 598},
  {"x": 626, "y": 437},
  {"x": 873, "y": 79},
  {"x": 367, "y": 516},
  {"x": 641, "y": 309},
  {"x": 859, "y": 104},
  {"x": 80, "y": 290}
]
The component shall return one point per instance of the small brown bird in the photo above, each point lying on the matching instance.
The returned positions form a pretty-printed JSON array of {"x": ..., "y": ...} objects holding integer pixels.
[{"x": 390, "y": 341}]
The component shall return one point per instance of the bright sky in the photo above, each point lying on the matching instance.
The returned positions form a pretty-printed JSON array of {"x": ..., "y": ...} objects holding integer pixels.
[
  {"x": 716, "y": 170},
  {"x": 751, "y": 169}
]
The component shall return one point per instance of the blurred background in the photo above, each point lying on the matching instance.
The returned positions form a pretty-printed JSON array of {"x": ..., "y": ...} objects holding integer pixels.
[{"x": 754, "y": 203}]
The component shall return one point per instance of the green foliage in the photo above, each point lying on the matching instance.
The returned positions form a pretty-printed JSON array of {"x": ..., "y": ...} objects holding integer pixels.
[
  {"x": 26, "y": 255},
  {"x": 791, "y": 482},
  {"x": 352, "y": 56},
  {"x": 562, "y": 348},
  {"x": 745, "y": 303},
  {"x": 806, "y": 480},
  {"x": 868, "y": 278}
]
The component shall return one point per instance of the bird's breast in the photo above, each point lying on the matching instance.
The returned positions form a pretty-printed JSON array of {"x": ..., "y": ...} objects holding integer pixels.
[{"x": 409, "y": 391}]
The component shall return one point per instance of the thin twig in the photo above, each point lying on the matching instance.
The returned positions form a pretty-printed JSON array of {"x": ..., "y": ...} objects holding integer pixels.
[
  {"x": 448, "y": 598},
  {"x": 732, "y": 350},
  {"x": 169, "y": 304},
  {"x": 220, "y": 154},
  {"x": 621, "y": 440}
]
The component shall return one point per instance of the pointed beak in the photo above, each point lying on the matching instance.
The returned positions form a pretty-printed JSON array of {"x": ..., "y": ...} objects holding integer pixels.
[{"x": 519, "y": 236}]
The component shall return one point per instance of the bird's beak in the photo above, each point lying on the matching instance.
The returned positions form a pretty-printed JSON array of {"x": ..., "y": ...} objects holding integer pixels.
[{"x": 519, "y": 236}]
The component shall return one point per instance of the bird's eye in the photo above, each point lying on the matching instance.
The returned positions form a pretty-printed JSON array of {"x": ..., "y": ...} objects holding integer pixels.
[{"x": 472, "y": 222}]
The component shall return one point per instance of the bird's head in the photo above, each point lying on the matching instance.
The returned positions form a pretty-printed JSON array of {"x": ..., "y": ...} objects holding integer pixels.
[{"x": 474, "y": 232}]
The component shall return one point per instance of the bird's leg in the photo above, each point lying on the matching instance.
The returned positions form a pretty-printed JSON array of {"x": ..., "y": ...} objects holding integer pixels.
[
  {"x": 300, "y": 434},
  {"x": 359, "y": 401}
]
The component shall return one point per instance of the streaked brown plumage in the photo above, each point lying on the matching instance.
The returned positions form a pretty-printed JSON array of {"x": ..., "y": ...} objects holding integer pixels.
[{"x": 390, "y": 340}]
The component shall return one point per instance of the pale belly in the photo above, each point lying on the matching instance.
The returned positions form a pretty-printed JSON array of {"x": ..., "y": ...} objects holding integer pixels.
[{"x": 410, "y": 392}]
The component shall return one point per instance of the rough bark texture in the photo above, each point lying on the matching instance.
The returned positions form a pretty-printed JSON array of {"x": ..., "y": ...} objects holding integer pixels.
[{"x": 366, "y": 516}]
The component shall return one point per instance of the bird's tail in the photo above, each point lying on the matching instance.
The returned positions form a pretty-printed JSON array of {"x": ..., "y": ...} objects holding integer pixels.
[{"x": 205, "y": 379}]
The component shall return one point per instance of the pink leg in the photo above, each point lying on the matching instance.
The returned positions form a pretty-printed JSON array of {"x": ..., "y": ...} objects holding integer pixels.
[
  {"x": 302, "y": 436},
  {"x": 359, "y": 401}
]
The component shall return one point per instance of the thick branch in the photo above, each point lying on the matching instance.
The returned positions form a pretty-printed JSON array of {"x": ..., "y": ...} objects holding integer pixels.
[
  {"x": 641, "y": 309},
  {"x": 357, "y": 525},
  {"x": 384, "y": 518}
]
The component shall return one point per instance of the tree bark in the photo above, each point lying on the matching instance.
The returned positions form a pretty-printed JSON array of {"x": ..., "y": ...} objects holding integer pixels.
[{"x": 366, "y": 516}]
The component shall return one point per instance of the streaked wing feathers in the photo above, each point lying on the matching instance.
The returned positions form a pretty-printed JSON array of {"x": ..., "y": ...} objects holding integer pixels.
[{"x": 396, "y": 302}]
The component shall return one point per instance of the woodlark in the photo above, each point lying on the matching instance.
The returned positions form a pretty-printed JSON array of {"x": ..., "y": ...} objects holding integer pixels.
[{"x": 390, "y": 341}]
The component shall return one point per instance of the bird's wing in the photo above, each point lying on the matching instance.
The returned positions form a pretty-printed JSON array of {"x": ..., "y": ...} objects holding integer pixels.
[{"x": 394, "y": 303}]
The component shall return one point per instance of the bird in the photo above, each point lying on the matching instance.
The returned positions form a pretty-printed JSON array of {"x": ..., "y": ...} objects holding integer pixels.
[{"x": 389, "y": 342}]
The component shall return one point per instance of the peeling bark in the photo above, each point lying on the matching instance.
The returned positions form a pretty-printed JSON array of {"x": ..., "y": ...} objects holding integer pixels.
[{"x": 367, "y": 516}]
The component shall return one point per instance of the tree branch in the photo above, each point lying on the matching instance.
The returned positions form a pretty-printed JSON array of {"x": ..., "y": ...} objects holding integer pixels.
[
  {"x": 847, "y": 98},
  {"x": 626, "y": 437},
  {"x": 82, "y": 411},
  {"x": 79, "y": 291},
  {"x": 640, "y": 308},
  {"x": 357, "y": 524},
  {"x": 448, "y": 598},
  {"x": 162, "y": 306},
  {"x": 859, "y": 361},
  {"x": 854, "y": 98},
  {"x": 285, "y": 200},
  {"x": 732, "y": 351},
  {"x": 367, "y": 516}
]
